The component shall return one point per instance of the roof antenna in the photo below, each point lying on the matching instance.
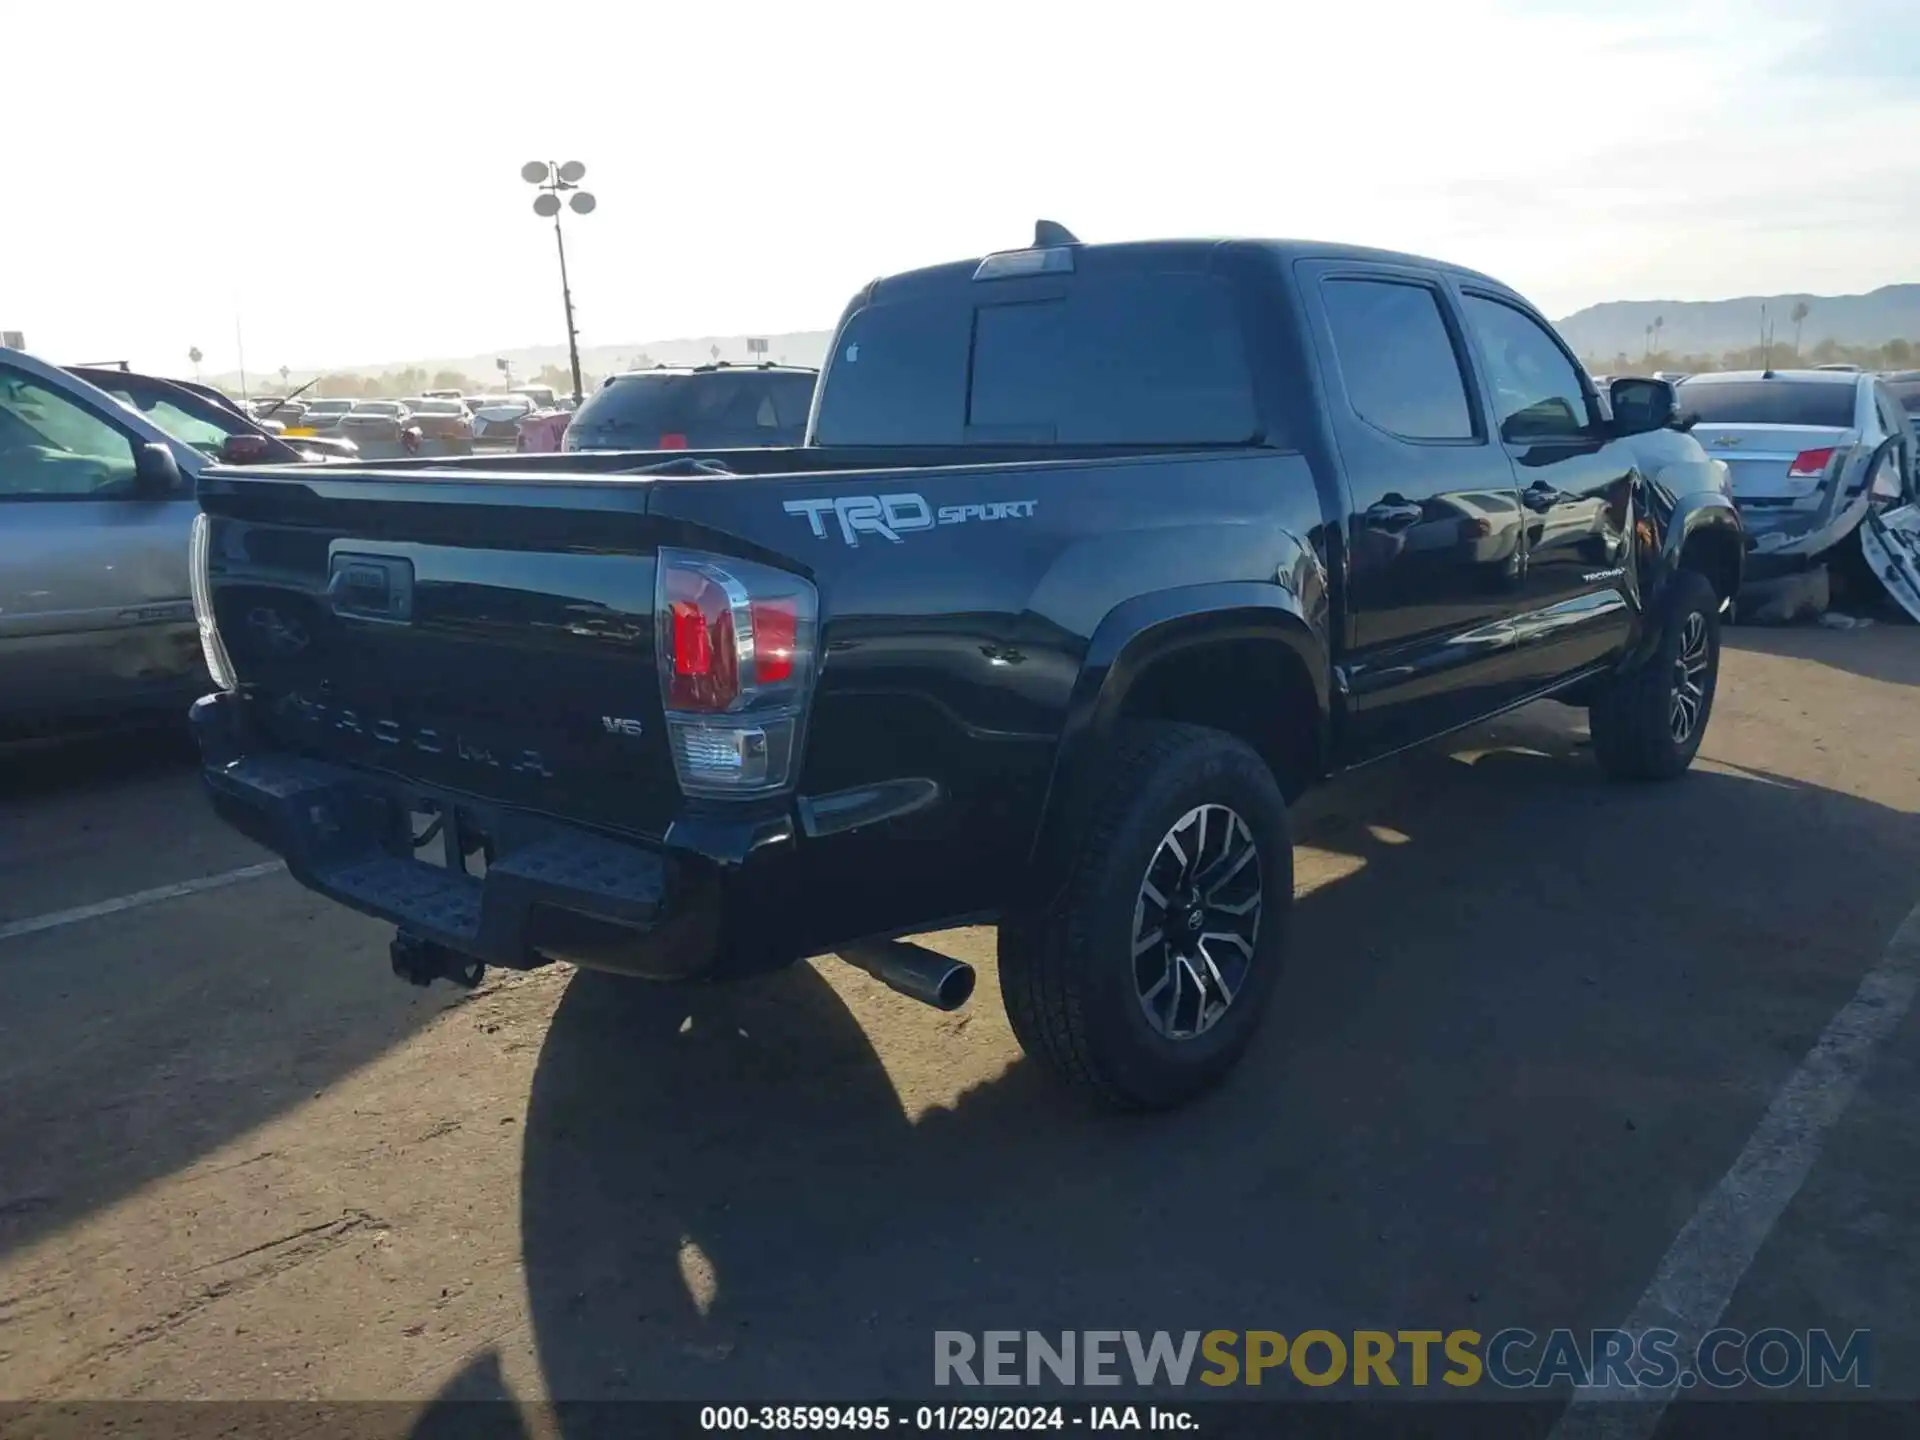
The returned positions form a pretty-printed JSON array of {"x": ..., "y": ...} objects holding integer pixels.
[{"x": 1052, "y": 232}]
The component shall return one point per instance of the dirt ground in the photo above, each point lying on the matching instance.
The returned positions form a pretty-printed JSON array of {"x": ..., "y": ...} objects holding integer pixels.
[{"x": 1530, "y": 1019}]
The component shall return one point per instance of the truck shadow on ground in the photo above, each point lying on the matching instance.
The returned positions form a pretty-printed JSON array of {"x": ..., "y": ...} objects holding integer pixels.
[
  {"x": 1514, "y": 1046},
  {"x": 96, "y": 760}
]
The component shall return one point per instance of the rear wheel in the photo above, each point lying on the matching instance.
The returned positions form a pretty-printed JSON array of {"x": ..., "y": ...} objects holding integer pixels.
[
  {"x": 1146, "y": 980},
  {"x": 1648, "y": 722}
]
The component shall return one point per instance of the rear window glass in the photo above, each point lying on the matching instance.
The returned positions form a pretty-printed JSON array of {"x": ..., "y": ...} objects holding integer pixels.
[
  {"x": 1153, "y": 359},
  {"x": 1767, "y": 402},
  {"x": 649, "y": 406},
  {"x": 1907, "y": 392}
]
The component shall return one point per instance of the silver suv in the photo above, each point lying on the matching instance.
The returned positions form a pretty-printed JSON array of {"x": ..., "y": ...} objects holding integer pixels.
[{"x": 96, "y": 509}]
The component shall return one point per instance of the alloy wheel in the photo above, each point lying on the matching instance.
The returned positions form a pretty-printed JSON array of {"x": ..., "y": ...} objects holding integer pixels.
[
  {"x": 1196, "y": 922},
  {"x": 1689, "y": 694}
]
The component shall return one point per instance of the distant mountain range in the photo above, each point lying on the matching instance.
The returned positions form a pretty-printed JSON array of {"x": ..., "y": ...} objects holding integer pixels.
[
  {"x": 1691, "y": 327},
  {"x": 1712, "y": 327},
  {"x": 800, "y": 347}
]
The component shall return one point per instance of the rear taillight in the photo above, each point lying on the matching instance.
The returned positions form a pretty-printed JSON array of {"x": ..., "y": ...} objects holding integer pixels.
[
  {"x": 1810, "y": 464},
  {"x": 199, "y": 583},
  {"x": 737, "y": 653},
  {"x": 673, "y": 442}
]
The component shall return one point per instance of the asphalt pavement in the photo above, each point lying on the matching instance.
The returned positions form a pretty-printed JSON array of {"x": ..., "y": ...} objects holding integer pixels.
[{"x": 1532, "y": 1025}]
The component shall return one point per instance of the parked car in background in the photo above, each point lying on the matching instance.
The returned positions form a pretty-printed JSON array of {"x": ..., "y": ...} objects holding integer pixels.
[
  {"x": 96, "y": 506},
  {"x": 381, "y": 427},
  {"x": 498, "y": 417},
  {"x": 325, "y": 415},
  {"x": 543, "y": 432},
  {"x": 704, "y": 407},
  {"x": 539, "y": 397},
  {"x": 277, "y": 409},
  {"x": 445, "y": 426},
  {"x": 220, "y": 431},
  {"x": 1810, "y": 452},
  {"x": 1904, "y": 386}
]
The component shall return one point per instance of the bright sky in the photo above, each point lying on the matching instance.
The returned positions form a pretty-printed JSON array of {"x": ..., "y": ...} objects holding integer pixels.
[{"x": 343, "y": 177}]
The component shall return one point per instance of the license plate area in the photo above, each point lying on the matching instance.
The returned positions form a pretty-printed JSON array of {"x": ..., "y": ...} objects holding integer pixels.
[{"x": 445, "y": 835}]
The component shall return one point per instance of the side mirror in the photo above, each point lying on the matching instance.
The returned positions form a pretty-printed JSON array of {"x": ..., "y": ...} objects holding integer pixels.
[
  {"x": 244, "y": 449},
  {"x": 156, "y": 474},
  {"x": 1640, "y": 406}
]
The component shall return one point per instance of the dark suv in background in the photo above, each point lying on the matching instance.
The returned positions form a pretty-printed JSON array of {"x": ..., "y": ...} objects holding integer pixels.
[{"x": 706, "y": 407}]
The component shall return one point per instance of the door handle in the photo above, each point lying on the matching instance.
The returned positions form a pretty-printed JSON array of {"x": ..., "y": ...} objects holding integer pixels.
[{"x": 1386, "y": 515}]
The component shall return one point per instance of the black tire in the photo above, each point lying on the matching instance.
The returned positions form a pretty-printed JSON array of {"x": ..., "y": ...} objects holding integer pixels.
[
  {"x": 1068, "y": 976},
  {"x": 1636, "y": 716}
]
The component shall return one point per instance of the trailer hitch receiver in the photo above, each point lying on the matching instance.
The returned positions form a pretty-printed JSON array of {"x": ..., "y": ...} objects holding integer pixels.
[{"x": 421, "y": 962}]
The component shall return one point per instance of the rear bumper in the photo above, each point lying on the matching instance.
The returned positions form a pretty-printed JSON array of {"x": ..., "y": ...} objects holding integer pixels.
[{"x": 549, "y": 891}]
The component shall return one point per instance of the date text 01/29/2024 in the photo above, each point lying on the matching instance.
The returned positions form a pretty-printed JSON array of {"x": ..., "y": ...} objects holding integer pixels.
[{"x": 990, "y": 1419}]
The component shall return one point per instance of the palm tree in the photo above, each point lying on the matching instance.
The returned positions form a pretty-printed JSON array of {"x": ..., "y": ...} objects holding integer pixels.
[{"x": 1798, "y": 315}]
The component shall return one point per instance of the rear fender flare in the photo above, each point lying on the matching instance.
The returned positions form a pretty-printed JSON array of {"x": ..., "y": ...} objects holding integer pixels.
[{"x": 1149, "y": 628}]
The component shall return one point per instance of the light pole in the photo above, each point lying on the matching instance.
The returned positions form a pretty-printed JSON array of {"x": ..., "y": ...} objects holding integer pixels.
[{"x": 553, "y": 181}]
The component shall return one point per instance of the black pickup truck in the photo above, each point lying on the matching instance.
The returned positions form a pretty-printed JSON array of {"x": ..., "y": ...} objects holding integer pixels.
[{"x": 1094, "y": 557}]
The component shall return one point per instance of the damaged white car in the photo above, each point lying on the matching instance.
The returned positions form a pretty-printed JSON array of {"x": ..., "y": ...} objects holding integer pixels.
[{"x": 1811, "y": 454}]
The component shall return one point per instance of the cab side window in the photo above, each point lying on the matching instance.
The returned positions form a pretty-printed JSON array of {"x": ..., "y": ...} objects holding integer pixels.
[
  {"x": 52, "y": 447},
  {"x": 1397, "y": 358},
  {"x": 1537, "y": 394}
]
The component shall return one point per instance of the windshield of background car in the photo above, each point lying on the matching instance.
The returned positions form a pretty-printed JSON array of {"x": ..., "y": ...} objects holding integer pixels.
[
  {"x": 1907, "y": 392},
  {"x": 329, "y": 407},
  {"x": 434, "y": 407},
  {"x": 1767, "y": 402},
  {"x": 199, "y": 430},
  {"x": 50, "y": 444},
  {"x": 712, "y": 410},
  {"x": 378, "y": 407},
  {"x": 1149, "y": 359}
]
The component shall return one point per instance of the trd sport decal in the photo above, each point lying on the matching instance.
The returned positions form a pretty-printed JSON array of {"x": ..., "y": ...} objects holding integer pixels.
[{"x": 891, "y": 516}]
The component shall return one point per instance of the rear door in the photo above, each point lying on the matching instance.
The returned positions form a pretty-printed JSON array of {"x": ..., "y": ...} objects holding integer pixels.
[
  {"x": 1434, "y": 525},
  {"x": 1571, "y": 604},
  {"x": 94, "y": 605}
]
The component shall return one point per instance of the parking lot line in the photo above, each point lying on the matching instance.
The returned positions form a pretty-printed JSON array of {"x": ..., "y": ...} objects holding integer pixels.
[
  {"x": 33, "y": 925},
  {"x": 1697, "y": 1277}
]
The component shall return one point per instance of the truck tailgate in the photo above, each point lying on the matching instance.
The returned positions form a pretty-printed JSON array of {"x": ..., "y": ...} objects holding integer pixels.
[{"x": 492, "y": 638}]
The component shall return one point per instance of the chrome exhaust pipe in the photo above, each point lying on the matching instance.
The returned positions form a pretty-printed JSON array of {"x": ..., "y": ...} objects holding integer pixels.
[{"x": 916, "y": 972}]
